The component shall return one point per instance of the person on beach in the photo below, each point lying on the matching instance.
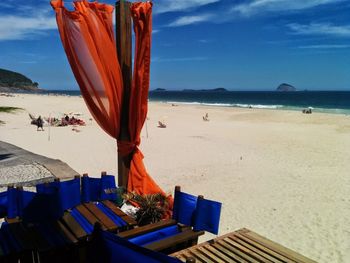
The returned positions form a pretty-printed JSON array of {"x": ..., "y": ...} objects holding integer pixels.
[{"x": 39, "y": 123}]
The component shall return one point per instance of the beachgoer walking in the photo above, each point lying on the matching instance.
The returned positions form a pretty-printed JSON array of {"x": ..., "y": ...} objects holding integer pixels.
[{"x": 39, "y": 123}]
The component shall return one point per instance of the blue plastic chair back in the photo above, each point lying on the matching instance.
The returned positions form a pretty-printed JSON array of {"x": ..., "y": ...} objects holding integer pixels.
[
  {"x": 47, "y": 188},
  {"x": 90, "y": 189},
  {"x": 63, "y": 195},
  {"x": 69, "y": 193},
  {"x": 3, "y": 204},
  {"x": 24, "y": 198},
  {"x": 207, "y": 216},
  {"x": 184, "y": 208},
  {"x": 12, "y": 203},
  {"x": 107, "y": 247},
  {"x": 108, "y": 188}
]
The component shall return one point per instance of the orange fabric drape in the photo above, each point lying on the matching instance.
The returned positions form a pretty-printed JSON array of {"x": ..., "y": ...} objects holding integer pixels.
[
  {"x": 139, "y": 180},
  {"x": 88, "y": 40}
]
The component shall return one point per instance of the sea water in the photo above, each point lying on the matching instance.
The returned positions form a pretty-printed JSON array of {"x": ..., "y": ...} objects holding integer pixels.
[{"x": 320, "y": 101}]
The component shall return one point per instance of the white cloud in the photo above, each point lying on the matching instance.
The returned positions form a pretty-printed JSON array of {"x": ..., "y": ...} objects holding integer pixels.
[
  {"x": 189, "y": 20},
  {"x": 320, "y": 29},
  {"x": 327, "y": 46},
  {"x": 15, "y": 27},
  {"x": 164, "y": 6},
  {"x": 262, "y": 6}
]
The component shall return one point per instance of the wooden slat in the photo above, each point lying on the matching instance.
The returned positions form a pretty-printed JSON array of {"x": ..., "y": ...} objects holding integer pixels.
[
  {"x": 89, "y": 216},
  {"x": 184, "y": 257},
  {"x": 12, "y": 220},
  {"x": 173, "y": 240},
  {"x": 227, "y": 252},
  {"x": 115, "y": 209},
  {"x": 198, "y": 254},
  {"x": 65, "y": 232},
  {"x": 259, "y": 249},
  {"x": 276, "y": 247},
  {"x": 218, "y": 253},
  {"x": 209, "y": 254},
  {"x": 103, "y": 218},
  {"x": 148, "y": 228},
  {"x": 235, "y": 250},
  {"x": 247, "y": 251},
  {"x": 74, "y": 226}
]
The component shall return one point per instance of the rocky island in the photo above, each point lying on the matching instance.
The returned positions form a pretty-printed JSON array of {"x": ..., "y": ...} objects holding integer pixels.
[
  {"x": 285, "y": 87},
  {"x": 11, "y": 81}
]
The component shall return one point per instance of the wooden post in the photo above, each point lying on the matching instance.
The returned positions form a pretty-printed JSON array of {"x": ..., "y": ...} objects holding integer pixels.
[{"x": 124, "y": 44}]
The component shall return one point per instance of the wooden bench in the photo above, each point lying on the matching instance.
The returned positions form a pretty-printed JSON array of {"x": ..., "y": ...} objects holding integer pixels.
[
  {"x": 240, "y": 246},
  {"x": 185, "y": 237},
  {"x": 93, "y": 214}
]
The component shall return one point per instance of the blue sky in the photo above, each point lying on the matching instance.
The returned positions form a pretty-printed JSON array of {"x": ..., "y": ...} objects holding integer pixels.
[{"x": 236, "y": 44}]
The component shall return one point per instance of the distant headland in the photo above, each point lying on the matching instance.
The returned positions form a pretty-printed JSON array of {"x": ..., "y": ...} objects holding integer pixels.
[
  {"x": 11, "y": 81},
  {"x": 286, "y": 87}
]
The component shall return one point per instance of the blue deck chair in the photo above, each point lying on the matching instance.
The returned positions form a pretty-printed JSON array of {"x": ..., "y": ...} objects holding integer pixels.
[
  {"x": 12, "y": 205},
  {"x": 90, "y": 189},
  {"x": 85, "y": 215},
  {"x": 207, "y": 216},
  {"x": 95, "y": 194},
  {"x": 107, "y": 247},
  {"x": 67, "y": 197},
  {"x": 200, "y": 213},
  {"x": 99, "y": 189},
  {"x": 184, "y": 207}
]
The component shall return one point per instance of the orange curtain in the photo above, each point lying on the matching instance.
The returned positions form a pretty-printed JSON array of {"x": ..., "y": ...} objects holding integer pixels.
[
  {"x": 139, "y": 180},
  {"x": 88, "y": 40}
]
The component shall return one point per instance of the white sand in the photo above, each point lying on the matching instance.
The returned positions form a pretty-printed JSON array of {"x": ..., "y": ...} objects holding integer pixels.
[{"x": 282, "y": 174}]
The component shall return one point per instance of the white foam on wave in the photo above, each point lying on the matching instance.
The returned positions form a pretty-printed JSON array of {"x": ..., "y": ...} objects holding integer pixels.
[{"x": 238, "y": 105}]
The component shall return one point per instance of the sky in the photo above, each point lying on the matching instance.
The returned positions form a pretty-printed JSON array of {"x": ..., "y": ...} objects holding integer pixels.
[{"x": 202, "y": 44}]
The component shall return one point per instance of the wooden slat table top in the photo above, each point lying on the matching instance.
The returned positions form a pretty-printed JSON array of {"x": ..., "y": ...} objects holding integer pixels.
[
  {"x": 74, "y": 226},
  {"x": 130, "y": 221},
  {"x": 242, "y": 245},
  {"x": 103, "y": 218}
]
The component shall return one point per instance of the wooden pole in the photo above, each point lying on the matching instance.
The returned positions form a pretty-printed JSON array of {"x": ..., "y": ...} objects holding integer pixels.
[{"x": 124, "y": 44}]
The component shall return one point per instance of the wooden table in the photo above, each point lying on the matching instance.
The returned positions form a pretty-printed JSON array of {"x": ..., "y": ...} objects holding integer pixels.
[{"x": 240, "y": 246}]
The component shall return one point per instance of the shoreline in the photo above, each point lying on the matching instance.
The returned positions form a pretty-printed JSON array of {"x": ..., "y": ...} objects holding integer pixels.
[
  {"x": 283, "y": 174},
  {"x": 315, "y": 109}
]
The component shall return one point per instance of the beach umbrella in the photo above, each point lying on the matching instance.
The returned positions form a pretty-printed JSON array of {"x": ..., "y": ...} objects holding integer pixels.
[{"x": 88, "y": 39}]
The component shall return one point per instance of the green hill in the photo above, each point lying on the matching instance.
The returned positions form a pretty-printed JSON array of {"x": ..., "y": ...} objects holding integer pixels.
[{"x": 11, "y": 81}]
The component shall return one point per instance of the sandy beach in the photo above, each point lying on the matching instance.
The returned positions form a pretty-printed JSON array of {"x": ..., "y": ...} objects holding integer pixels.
[{"x": 283, "y": 174}]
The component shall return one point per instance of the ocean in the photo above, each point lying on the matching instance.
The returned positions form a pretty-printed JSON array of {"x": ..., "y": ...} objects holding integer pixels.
[{"x": 321, "y": 101}]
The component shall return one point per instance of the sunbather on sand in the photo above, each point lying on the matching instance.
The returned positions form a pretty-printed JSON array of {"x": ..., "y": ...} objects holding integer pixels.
[
  {"x": 161, "y": 124},
  {"x": 39, "y": 123}
]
